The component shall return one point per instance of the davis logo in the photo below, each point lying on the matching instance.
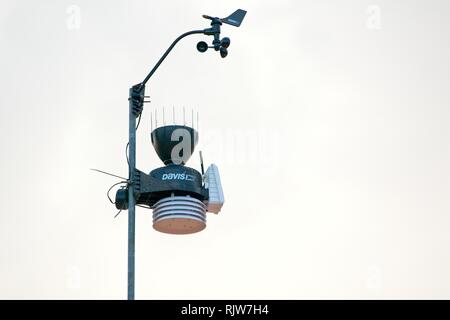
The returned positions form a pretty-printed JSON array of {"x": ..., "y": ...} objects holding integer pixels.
[{"x": 177, "y": 176}]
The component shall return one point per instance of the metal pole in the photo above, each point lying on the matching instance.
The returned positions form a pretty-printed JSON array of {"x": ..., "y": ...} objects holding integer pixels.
[
  {"x": 133, "y": 112},
  {"x": 131, "y": 200}
]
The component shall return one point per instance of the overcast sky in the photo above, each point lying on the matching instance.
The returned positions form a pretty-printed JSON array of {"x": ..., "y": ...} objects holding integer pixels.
[{"x": 328, "y": 120}]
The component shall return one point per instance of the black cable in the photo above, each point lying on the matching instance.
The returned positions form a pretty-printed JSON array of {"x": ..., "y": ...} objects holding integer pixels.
[
  {"x": 118, "y": 213},
  {"x": 143, "y": 206},
  {"x": 109, "y": 190},
  {"x": 128, "y": 143},
  {"x": 109, "y": 174},
  {"x": 139, "y": 120},
  {"x": 126, "y": 154}
]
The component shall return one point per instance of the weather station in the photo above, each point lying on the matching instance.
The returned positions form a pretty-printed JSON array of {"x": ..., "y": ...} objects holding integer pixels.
[{"x": 179, "y": 196}]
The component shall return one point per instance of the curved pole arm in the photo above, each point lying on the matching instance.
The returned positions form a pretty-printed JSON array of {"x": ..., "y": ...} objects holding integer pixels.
[{"x": 168, "y": 51}]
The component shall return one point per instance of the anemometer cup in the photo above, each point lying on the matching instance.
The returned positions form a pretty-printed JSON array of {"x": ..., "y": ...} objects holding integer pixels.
[
  {"x": 225, "y": 42},
  {"x": 223, "y": 52},
  {"x": 202, "y": 46}
]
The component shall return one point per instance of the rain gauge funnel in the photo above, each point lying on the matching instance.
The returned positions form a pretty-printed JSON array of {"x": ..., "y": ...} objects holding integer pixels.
[{"x": 167, "y": 142}]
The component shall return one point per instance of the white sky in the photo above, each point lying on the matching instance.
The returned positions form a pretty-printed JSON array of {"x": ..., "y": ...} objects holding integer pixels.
[{"x": 329, "y": 122}]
